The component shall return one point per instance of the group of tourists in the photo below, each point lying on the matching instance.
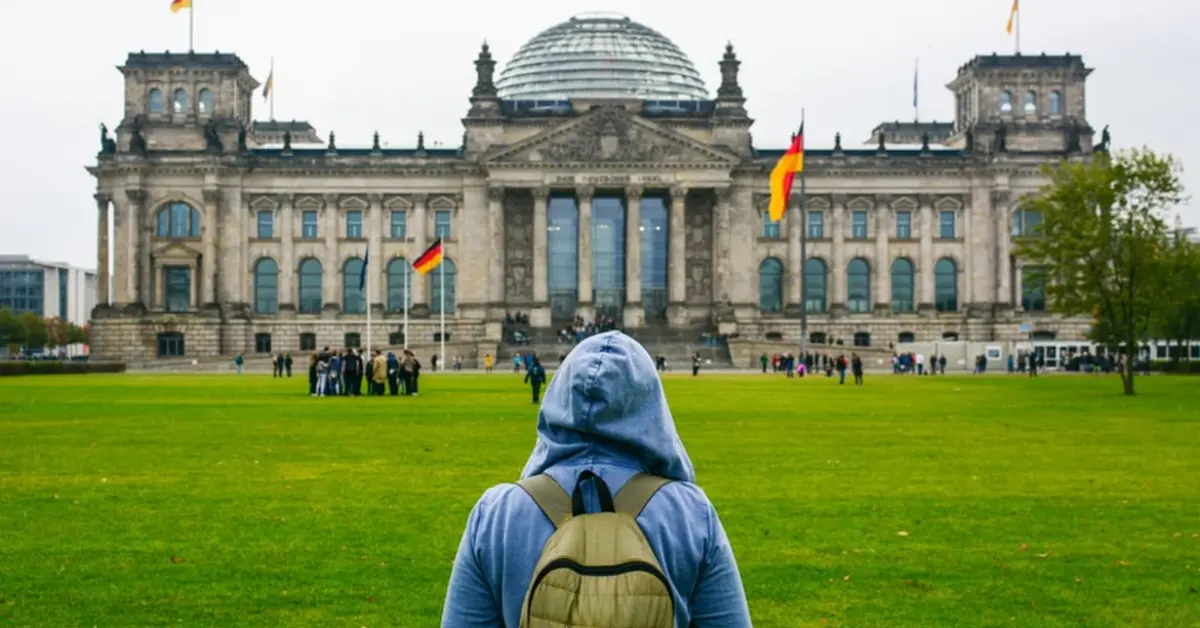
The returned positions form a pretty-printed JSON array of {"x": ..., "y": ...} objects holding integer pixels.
[
  {"x": 910, "y": 363},
  {"x": 341, "y": 373}
]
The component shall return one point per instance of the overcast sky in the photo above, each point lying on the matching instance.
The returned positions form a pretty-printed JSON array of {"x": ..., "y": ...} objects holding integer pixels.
[{"x": 355, "y": 66}]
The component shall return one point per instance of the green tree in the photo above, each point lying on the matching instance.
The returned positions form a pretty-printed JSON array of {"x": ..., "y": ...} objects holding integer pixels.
[
  {"x": 75, "y": 334},
  {"x": 1103, "y": 236},
  {"x": 56, "y": 332},
  {"x": 1178, "y": 317},
  {"x": 12, "y": 332},
  {"x": 35, "y": 330}
]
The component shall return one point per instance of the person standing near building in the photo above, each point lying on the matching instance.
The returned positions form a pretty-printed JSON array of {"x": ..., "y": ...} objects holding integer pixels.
[
  {"x": 487, "y": 363},
  {"x": 239, "y": 362},
  {"x": 378, "y": 373},
  {"x": 695, "y": 365},
  {"x": 856, "y": 366},
  {"x": 287, "y": 363},
  {"x": 536, "y": 377}
]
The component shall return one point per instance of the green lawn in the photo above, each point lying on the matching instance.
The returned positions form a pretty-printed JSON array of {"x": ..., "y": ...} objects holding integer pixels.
[{"x": 955, "y": 501}]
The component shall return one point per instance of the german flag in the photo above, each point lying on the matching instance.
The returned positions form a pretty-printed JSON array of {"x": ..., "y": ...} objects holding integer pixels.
[
  {"x": 783, "y": 175},
  {"x": 430, "y": 259},
  {"x": 179, "y": 5}
]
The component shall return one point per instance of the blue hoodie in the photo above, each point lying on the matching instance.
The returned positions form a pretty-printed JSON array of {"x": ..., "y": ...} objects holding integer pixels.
[{"x": 604, "y": 411}]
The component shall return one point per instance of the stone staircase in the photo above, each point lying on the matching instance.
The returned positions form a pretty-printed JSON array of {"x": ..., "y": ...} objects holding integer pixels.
[{"x": 677, "y": 345}]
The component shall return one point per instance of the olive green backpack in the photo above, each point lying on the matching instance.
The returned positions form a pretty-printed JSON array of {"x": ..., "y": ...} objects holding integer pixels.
[{"x": 597, "y": 570}]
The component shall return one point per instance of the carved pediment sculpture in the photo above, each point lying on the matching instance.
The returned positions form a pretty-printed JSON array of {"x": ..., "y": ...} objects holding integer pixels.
[{"x": 609, "y": 134}]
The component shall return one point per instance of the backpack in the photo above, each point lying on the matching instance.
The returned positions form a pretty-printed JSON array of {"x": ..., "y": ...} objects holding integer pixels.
[{"x": 597, "y": 570}]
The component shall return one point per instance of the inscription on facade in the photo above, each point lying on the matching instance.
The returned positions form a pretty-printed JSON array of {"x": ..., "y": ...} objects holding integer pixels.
[{"x": 616, "y": 180}]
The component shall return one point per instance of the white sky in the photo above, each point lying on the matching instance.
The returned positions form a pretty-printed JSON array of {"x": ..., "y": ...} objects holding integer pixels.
[{"x": 354, "y": 66}]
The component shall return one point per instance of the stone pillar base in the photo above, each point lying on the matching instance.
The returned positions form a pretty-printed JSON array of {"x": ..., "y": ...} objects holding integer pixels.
[
  {"x": 677, "y": 314},
  {"x": 539, "y": 316},
  {"x": 634, "y": 316}
]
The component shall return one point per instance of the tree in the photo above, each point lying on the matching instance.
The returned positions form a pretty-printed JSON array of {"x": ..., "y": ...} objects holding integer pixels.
[
  {"x": 35, "y": 330},
  {"x": 56, "y": 332},
  {"x": 1102, "y": 240},
  {"x": 76, "y": 334},
  {"x": 12, "y": 332},
  {"x": 1178, "y": 316}
]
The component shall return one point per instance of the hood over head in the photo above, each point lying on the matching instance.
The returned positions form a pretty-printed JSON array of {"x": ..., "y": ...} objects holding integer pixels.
[{"x": 606, "y": 401}]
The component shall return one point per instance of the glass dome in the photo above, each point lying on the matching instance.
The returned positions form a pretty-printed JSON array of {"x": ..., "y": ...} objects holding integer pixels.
[{"x": 600, "y": 55}]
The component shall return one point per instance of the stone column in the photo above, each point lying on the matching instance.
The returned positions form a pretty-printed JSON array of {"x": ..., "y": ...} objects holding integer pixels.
[
  {"x": 420, "y": 229},
  {"x": 211, "y": 262},
  {"x": 1003, "y": 252},
  {"x": 140, "y": 228},
  {"x": 837, "y": 265},
  {"x": 331, "y": 261},
  {"x": 102, "y": 278},
  {"x": 539, "y": 316},
  {"x": 495, "y": 225},
  {"x": 883, "y": 264},
  {"x": 287, "y": 246},
  {"x": 723, "y": 250},
  {"x": 633, "y": 313},
  {"x": 927, "y": 225},
  {"x": 677, "y": 248},
  {"x": 583, "y": 196},
  {"x": 792, "y": 297},
  {"x": 376, "y": 259}
]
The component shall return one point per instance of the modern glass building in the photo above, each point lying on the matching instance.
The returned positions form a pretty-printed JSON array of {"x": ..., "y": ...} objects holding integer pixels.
[{"x": 47, "y": 289}]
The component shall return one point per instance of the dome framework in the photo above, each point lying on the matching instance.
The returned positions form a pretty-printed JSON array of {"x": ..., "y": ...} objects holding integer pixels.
[{"x": 600, "y": 55}]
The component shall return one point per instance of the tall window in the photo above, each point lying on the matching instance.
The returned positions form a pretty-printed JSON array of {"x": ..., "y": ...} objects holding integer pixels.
[
  {"x": 308, "y": 225},
  {"x": 179, "y": 101},
  {"x": 170, "y": 345},
  {"x": 1056, "y": 105},
  {"x": 1006, "y": 101},
  {"x": 858, "y": 225},
  {"x": 266, "y": 225},
  {"x": 177, "y": 288},
  {"x": 310, "y": 286},
  {"x": 770, "y": 227},
  {"x": 770, "y": 286},
  {"x": 64, "y": 292},
  {"x": 902, "y": 286},
  {"x": 399, "y": 231},
  {"x": 945, "y": 285},
  {"x": 946, "y": 225},
  {"x": 155, "y": 100},
  {"x": 23, "y": 291},
  {"x": 1030, "y": 102},
  {"x": 654, "y": 257},
  {"x": 178, "y": 220},
  {"x": 815, "y": 292},
  {"x": 562, "y": 243},
  {"x": 266, "y": 286},
  {"x": 816, "y": 225},
  {"x": 904, "y": 225},
  {"x": 608, "y": 255},
  {"x": 1025, "y": 222},
  {"x": 354, "y": 225},
  {"x": 435, "y": 294},
  {"x": 1033, "y": 289},
  {"x": 205, "y": 102},
  {"x": 441, "y": 224},
  {"x": 353, "y": 300},
  {"x": 858, "y": 286},
  {"x": 308, "y": 341},
  {"x": 262, "y": 343},
  {"x": 399, "y": 285}
]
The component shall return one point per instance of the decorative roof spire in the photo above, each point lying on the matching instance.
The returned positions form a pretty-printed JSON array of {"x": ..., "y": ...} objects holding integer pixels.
[
  {"x": 729, "y": 74},
  {"x": 375, "y": 141},
  {"x": 485, "y": 70}
]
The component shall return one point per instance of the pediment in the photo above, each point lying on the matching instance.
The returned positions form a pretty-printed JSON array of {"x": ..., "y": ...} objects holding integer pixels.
[
  {"x": 610, "y": 135},
  {"x": 175, "y": 250}
]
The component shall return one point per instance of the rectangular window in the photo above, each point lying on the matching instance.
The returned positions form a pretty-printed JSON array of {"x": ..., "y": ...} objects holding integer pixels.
[
  {"x": 308, "y": 225},
  {"x": 816, "y": 225},
  {"x": 262, "y": 343},
  {"x": 266, "y": 225},
  {"x": 1033, "y": 289},
  {"x": 946, "y": 225},
  {"x": 441, "y": 224},
  {"x": 858, "y": 225},
  {"x": 1025, "y": 222},
  {"x": 177, "y": 288},
  {"x": 308, "y": 341},
  {"x": 352, "y": 340},
  {"x": 770, "y": 227},
  {"x": 354, "y": 225},
  {"x": 170, "y": 345},
  {"x": 903, "y": 225},
  {"x": 399, "y": 226},
  {"x": 63, "y": 292}
]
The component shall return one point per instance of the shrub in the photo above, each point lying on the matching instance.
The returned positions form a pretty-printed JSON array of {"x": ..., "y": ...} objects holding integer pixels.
[
  {"x": 36, "y": 367},
  {"x": 1181, "y": 367}
]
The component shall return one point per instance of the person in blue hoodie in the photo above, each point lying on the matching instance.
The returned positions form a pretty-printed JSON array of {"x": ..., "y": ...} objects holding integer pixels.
[{"x": 604, "y": 412}]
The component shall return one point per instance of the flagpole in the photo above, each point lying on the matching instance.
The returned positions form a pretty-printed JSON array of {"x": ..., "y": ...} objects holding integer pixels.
[
  {"x": 803, "y": 261},
  {"x": 1018, "y": 29},
  {"x": 271, "y": 94},
  {"x": 442, "y": 279},
  {"x": 407, "y": 302},
  {"x": 916, "y": 101},
  {"x": 367, "y": 272},
  {"x": 191, "y": 26}
]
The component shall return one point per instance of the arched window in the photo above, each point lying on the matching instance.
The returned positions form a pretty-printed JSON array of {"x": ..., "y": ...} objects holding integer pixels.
[
  {"x": 179, "y": 101},
  {"x": 435, "y": 293},
  {"x": 815, "y": 272},
  {"x": 310, "y": 286},
  {"x": 155, "y": 100},
  {"x": 945, "y": 285},
  {"x": 205, "y": 102},
  {"x": 1056, "y": 104},
  {"x": 178, "y": 220},
  {"x": 353, "y": 300},
  {"x": 1006, "y": 103},
  {"x": 858, "y": 286},
  {"x": 266, "y": 286},
  {"x": 902, "y": 286},
  {"x": 1030, "y": 102},
  {"x": 399, "y": 285},
  {"x": 770, "y": 286}
]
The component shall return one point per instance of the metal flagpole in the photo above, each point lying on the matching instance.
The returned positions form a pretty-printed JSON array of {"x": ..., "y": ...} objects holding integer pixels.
[
  {"x": 191, "y": 26},
  {"x": 272, "y": 92},
  {"x": 367, "y": 273},
  {"x": 442, "y": 279},
  {"x": 1018, "y": 27},
  {"x": 916, "y": 102},
  {"x": 407, "y": 302},
  {"x": 803, "y": 260}
]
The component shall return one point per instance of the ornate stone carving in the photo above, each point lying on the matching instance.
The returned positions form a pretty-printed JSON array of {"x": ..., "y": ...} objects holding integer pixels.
[
  {"x": 375, "y": 199},
  {"x": 541, "y": 192},
  {"x": 611, "y": 135},
  {"x": 698, "y": 251},
  {"x": 634, "y": 193},
  {"x": 330, "y": 200},
  {"x": 585, "y": 192},
  {"x": 496, "y": 193},
  {"x": 102, "y": 199},
  {"x": 212, "y": 196},
  {"x": 419, "y": 199},
  {"x": 678, "y": 192},
  {"x": 925, "y": 200},
  {"x": 136, "y": 196},
  {"x": 1000, "y": 198},
  {"x": 839, "y": 200},
  {"x": 518, "y": 249}
]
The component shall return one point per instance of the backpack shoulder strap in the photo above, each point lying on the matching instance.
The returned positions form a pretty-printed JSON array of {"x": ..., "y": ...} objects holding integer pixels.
[
  {"x": 636, "y": 493},
  {"x": 549, "y": 496}
]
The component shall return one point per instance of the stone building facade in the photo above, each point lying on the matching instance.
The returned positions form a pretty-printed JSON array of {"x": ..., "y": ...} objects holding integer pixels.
[{"x": 226, "y": 238}]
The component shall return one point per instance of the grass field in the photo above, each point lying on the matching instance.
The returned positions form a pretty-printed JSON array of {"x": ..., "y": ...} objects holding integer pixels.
[{"x": 955, "y": 501}]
